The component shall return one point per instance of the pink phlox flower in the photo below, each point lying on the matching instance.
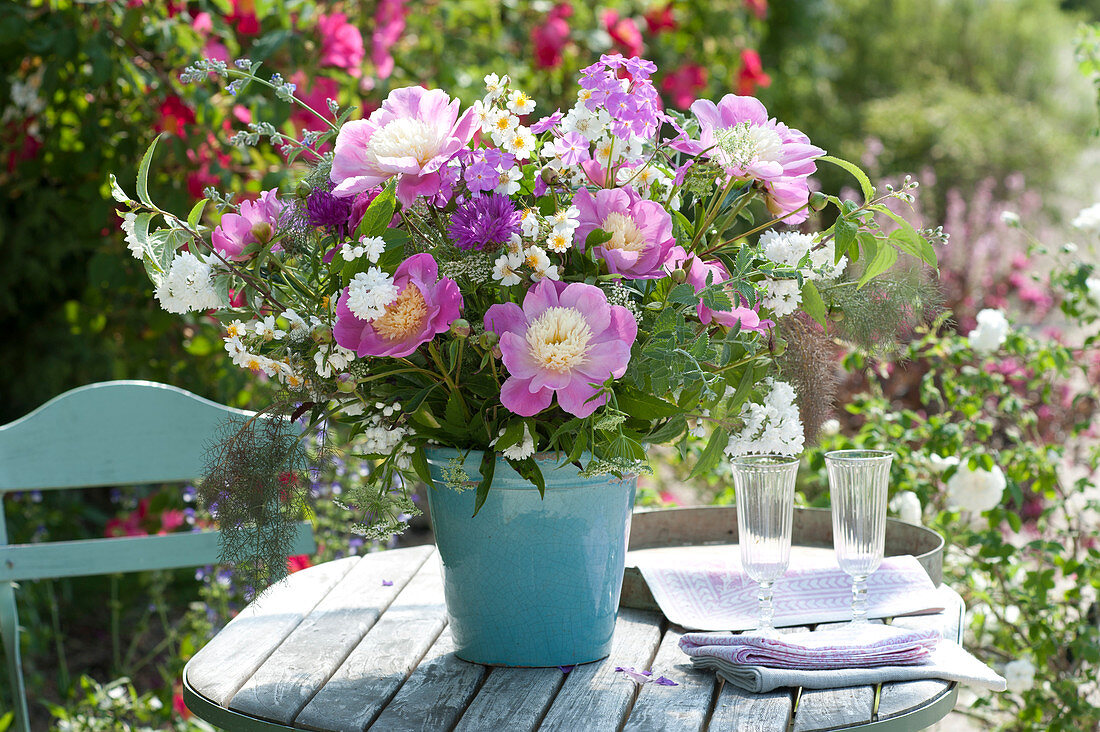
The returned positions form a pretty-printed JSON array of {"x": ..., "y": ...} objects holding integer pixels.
[
  {"x": 254, "y": 219},
  {"x": 565, "y": 341},
  {"x": 698, "y": 272},
  {"x": 546, "y": 123},
  {"x": 389, "y": 24},
  {"x": 641, "y": 231},
  {"x": 572, "y": 148},
  {"x": 738, "y": 134},
  {"x": 341, "y": 43},
  {"x": 425, "y": 306},
  {"x": 411, "y": 136}
]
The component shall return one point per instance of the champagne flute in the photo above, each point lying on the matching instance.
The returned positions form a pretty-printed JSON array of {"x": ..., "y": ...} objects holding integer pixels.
[
  {"x": 764, "y": 485},
  {"x": 858, "y": 480}
]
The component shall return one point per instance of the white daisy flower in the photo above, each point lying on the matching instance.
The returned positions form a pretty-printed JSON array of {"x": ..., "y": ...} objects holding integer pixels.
[
  {"x": 529, "y": 222},
  {"x": 494, "y": 86},
  {"x": 506, "y": 269},
  {"x": 559, "y": 241},
  {"x": 520, "y": 103},
  {"x": 522, "y": 143},
  {"x": 510, "y": 182}
]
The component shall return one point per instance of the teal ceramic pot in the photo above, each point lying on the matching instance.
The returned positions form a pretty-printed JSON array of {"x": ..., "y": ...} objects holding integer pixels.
[{"x": 531, "y": 581}]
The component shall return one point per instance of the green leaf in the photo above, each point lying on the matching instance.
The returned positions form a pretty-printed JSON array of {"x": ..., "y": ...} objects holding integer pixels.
[
  {"x": 530, "y": 470},
  {"x": 640, "y": 405},
  {"x": 488, "y": 467},
  {"x": 116, "y": 190},
  {"x": 143, "y": 172},
  {"x": 911, "y": 242},
  {"x": 580, "y": 443},
  {"x": 195, "y": 216},
  {"x": 376, "y": 219},
  {"x": 669, "y": 431},
  {"x": 596, "y": 237},
  {"x": 689, "y": 229},
  {"x": 813, "y": 304},
  {"x": 868, "y": 246},
  {"x": 855, "y": 170},
  {"x": 744, "y": 386},
  {"x": 712, "y": 453},
  {"x": 844, "y": 231},
  {"x": 884, "y": 260},
  {"x": 683, "y": 294},
  {"x": 420, "y": 467},
  {"x": 513, "y": 435},
  {"x": 715, "y": 298}
]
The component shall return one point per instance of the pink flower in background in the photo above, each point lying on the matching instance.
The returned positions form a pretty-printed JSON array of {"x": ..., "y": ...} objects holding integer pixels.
[
  {"x": 758, "y": 7},
  {"x": 563, "y": 340},
  {"x": 411, "y": 137},
  {"x": 297, "y": 563},
  {"x": 425, "y": 306},
  {"x": 244, "y": 17},
  {"x": 256, "y": 222},
  {"x": 341, "y": 43},
  {"x": 202, "y": 23},
  {"x": 683, "y": 85},
  {"x": 697, "y": 273},
  {"x": 624, "y": 32},
  {"x": 660, "y": 19},
  {"x": 550, "y": 38},
  {"x": 752, "y": 73},
  {"x": 314, "y": 93},
  {"x": 174, "y": 116},
  {"x": 389, "y": 24},
  {"x": 737, "y": 133},
  {"x": 641, "y": 231}
]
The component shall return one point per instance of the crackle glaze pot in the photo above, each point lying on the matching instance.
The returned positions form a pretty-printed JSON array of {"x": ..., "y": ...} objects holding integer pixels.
[{"x": 530, "y": 581}]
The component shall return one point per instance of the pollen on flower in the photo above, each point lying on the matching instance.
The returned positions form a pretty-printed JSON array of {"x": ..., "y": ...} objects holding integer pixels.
[
  {"x": 558, "y": 339},
  {"x": 403, "y": 316},
  {"x": 625, "y": 234}
]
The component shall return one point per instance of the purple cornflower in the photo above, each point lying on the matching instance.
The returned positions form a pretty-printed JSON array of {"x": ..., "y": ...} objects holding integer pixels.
[
  {"x": 486, "y": 222},
  {"x": 326, "y": 210}
]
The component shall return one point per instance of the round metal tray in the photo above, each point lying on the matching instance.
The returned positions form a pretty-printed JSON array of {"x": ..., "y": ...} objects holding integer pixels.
[{"x": 812, "y": 529}]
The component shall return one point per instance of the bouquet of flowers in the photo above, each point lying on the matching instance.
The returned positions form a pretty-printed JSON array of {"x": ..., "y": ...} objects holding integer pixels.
[{"x": 585, "y": 283}]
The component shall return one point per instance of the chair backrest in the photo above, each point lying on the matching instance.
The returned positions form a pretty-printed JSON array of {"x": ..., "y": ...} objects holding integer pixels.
[{"x": 114, "y": 433}]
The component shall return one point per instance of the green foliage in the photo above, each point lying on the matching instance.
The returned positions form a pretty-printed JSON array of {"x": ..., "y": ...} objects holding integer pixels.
[{"x": 117, "y": 707}]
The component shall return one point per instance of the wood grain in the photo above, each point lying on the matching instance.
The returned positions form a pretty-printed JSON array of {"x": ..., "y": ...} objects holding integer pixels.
[
  {"x": 436, "y": 693},
  {"x": 594, "y": 696},
  {"x": 376, "y": 668},
  {"x": 224, "y": 664},
  {"x": 821, "y": 709},
  {"x": 737, "y": 709},
  {"x": 514, "y": 699},
  {"x": 673, "y": 708},
  {"x": 297, "y": 669}
]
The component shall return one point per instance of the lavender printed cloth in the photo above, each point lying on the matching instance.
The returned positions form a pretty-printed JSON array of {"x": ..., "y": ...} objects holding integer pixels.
[
  {"x": 843, "y": 647},
  {"x": 709, "y": 590}
]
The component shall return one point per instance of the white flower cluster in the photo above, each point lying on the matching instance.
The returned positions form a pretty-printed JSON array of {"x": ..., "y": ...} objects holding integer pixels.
[
  {"x": 129, "y": 222},
  {"x": 240, "y": 336},
  {"x": 771, "y": 427},
  {"x": 794, "y": 249},
  {"x": 507, "y": 267},
  {"x": 380, "y": 439},
  {"x": 523, "y": 449},
  {"x": 25, "y": 99},
  {"x": 1088, "y": 219},
  {"x": 1092, "y": 290},
  {"x": 990, "y": 333},
  {"x": 499, "y": 113},
  {"x": 336, "y": 359},
  {"x": 907, "y": 506},
  {"x": 975, "y": 490},
  {"x": 370, "y": 292},
  {"x": 1020, "y": 675},
  {"x": 371, "y": 246},
  {"x": 188, "y": 286}
]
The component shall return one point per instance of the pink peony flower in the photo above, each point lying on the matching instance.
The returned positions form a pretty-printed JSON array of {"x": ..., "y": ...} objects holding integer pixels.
[
  {"x": 697, "y": 272},
  {"x": 737, "y": 133},
  {"x": 256, "y": 222},
  {"x": 424, "y": 307},
  {"x": 752, "y": 73},
  {"x": 683, "y": 85},
  {"x": 565, "y": 340},
  {"x": 641, "y": 231},
  {"x": 313, "y": 93},
  {"x": 341, "y": 43},
  {"x": 624, "y": 32},
  {"x": 550, "y": 38},
  {"x": 660, "y": 19},
  {"x": 389, "y": 24},
  {"x": 412, "y": 136}
]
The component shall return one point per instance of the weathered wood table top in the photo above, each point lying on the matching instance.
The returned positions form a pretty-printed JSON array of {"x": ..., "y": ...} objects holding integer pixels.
[{"x": 337, "y": 647}]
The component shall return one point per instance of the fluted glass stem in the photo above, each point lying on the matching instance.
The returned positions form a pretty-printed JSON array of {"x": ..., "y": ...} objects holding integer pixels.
[
  {"x": 859, "y": 599},
  {"x": 765, "y": 624}
]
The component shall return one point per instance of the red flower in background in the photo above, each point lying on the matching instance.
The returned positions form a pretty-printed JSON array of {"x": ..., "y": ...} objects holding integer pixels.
[
  {"x": 19, "y": 142},
  {"x": 758, "y": 7},
  {"x": 298, "y": 563},
  {"x": 174, "y": 116},
  {"x": 683, "y": 85},
  {"x": 550, "y": 38},
  {"x": 389, "y": 24},
  {"x": 341, "y": 44},
  {"x": 244, "y": 17},
  {"x": 624, "y": 32},
  {"x": 660, "y": 19},
  {"x": 751, "y": 74}
]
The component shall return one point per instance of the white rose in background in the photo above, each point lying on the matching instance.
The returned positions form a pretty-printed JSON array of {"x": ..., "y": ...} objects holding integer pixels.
[
  {"x": 975, "y": 490},
  {"x": 991, "y": 331},
  {"x": 907, "y": 506},
  {"x": 1088, "y": 219},
  {"x": 1092, "y": 286},
  {"x": 1020, "y": 675},
  {"x": 941, "y": 464}
]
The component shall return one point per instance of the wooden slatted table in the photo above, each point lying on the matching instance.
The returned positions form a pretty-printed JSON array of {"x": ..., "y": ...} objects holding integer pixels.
[{"x": 336, "y": 647}]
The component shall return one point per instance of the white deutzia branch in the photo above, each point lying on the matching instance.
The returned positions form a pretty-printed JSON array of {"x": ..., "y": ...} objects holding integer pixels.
[{"x": 771, "y": 427}]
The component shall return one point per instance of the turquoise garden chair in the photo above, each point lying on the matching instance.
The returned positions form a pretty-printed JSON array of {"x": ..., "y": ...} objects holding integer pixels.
[{"x": 114, "y": 433}]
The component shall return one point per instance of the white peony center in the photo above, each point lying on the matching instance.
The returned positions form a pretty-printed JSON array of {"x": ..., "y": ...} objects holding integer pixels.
[
  {"x": 405, "y": 138},
  {"x": 746, "y": 143},
  {"x": 558, "y": 339},
  {"x": 625, "y": 234}
]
